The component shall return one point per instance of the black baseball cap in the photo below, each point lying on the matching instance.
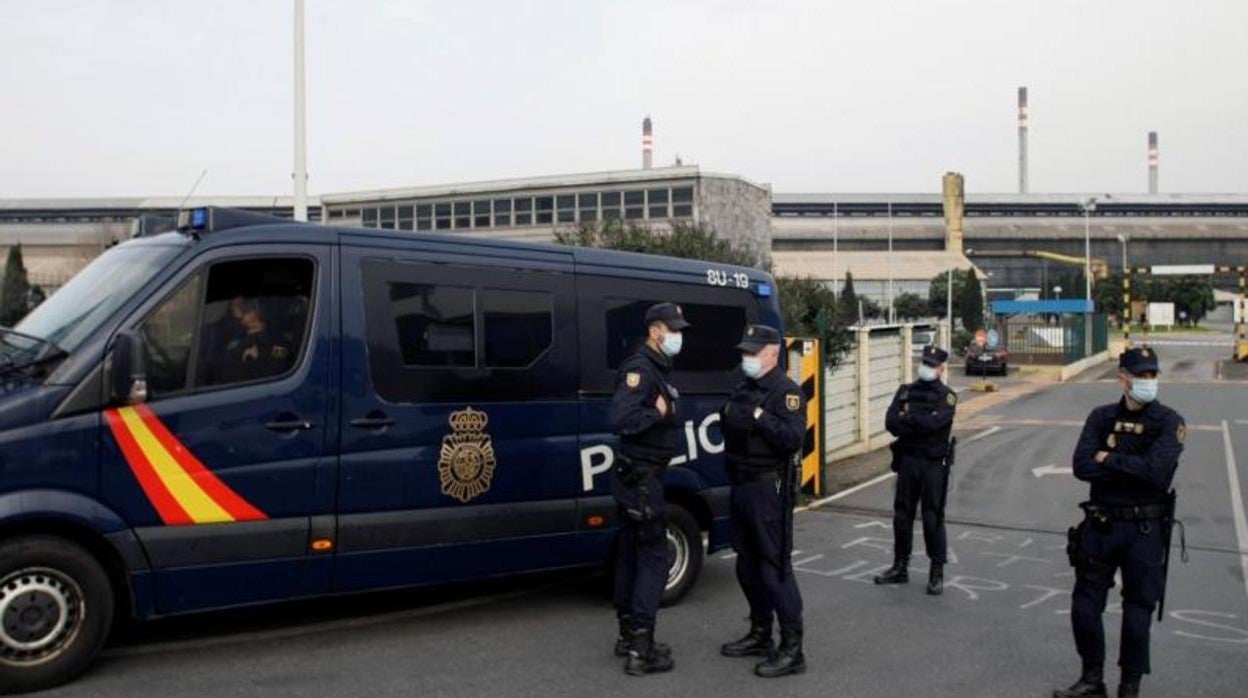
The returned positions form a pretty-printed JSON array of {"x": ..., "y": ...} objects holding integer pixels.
[
  {"x": 669, "y": 314},
  {"x": 1137, "y": 360},
  {"x": 758, "y": 336}
]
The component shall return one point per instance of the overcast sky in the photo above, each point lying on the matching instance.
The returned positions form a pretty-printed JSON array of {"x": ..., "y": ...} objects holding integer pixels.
[{"x": 137, "y": 97}]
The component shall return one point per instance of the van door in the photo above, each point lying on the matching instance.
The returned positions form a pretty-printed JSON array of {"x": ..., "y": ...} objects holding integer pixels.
[
  {"x": 225, "y": 466},
  {"x": 459, "y": 417}
]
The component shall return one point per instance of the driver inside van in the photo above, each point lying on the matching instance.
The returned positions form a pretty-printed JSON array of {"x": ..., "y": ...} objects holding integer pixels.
[{"x": 257, "y": 351}]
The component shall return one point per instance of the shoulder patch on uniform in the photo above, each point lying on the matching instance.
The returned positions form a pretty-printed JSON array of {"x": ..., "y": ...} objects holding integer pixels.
[
  {"x": 1182, "y": 432},
  {"x": 632, "y": 379},
  {"x": 952, "y": 399},
  {"x": 793, "y": 401}
]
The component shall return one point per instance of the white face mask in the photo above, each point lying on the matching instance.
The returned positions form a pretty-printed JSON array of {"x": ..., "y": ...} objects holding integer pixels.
[
  {"x": 672, "y": 342},
  {"x": 752, "y": 366},
  {"x": 1143, "y": 390},
  {"x": 927, "y": 373}
]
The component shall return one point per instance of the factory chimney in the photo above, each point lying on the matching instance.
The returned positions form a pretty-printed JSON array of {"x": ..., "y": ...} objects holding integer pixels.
[
  {"x": 647, "y": 144},
  {"x": 1152, "y": 162},
  {"x": 1022, "y": 140}
]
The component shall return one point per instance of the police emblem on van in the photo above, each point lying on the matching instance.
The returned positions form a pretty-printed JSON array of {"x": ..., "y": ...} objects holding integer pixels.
[{"x": 466, "y": 464}]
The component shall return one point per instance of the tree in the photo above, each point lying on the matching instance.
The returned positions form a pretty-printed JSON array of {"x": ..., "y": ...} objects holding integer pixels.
[
  {"x": 936, "y": 294},
  {"x": 14, "y": 295},
  {"x": 871, "y": 310},
  {"x": 972, "y": 306},
  {"x": 1107, "y": 294},
  {"x": 847, "y": 302},
  {"x": 910, "y": 306}
]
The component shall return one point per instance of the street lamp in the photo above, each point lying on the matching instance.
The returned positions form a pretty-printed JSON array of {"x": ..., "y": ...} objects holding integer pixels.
[
  {"x": 1057, "y": 291},
  {"x": 1124, "y": 239},
  {"x": 1088, "y": 205}
]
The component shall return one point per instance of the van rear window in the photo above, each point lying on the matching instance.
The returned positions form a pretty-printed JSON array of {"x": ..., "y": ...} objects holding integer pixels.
[{"x": 709, "y": 345}]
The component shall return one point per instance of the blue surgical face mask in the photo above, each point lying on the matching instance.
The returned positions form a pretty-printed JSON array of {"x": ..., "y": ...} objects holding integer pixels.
[
  {"x": 752, "y": 366},
  {"x": 927, "y": 373},
  {"x": 1143, "y": 390},
  {"x": 672, "y": 341}
]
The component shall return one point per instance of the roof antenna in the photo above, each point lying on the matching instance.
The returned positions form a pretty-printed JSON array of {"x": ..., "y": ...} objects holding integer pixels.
[{"x": 193, "y": 188}]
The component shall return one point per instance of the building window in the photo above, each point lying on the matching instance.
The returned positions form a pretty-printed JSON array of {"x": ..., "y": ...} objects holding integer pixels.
[
  {"x": 442, "y": 213},
  {"x": 502, "y": 213},
  {"x": 634, "y": 204},
  {"x": 566, "y": 208},
  {"x": 542, "y": 207},
  {"x": 588, "y": 205},
  {"x": 370, "y": 218},
  {"x": 682, "y": 202},
  {"x": 657, "y": 203},
  {"x": 424, "y": 217},
  {"x": 610, "y": 205},
  {"x": 405, "y": 217},
  {"x": 386, "y": 217},
  {"x": 524, "y": 211},
  {"x": 481, "y": 214},
  {"x": 463, "y": 215}
]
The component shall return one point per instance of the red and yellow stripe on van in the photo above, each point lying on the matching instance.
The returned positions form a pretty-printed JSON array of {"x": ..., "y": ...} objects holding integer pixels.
[{"x": 180, "y": 488}]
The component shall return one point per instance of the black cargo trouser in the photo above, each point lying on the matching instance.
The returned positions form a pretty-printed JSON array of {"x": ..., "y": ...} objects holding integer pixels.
[
  {"x": 919, "y": 480},
  {"x": 764, "y": 567},
  {"x": 1138, "y": 549},
  {"x": 642, "y": 558}
]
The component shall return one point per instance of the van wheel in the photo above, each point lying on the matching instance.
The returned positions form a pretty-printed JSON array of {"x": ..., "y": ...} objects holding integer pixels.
[
  {"x": 56, "y": 609},
  {"x": 684, "y": 547}
]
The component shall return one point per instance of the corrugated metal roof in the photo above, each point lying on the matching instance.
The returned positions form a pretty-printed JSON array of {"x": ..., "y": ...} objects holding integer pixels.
[{"x": 867, "y": 265}]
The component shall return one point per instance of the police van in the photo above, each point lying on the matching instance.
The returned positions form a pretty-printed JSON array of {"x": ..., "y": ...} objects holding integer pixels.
[{"x": 248, "y": 410}]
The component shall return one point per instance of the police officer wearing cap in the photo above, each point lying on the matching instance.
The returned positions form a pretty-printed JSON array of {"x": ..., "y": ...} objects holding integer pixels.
[
  {"x": 764, "y": 425},
  {"x": 921, "y": 417},
  {"x": 644, "y": 414},
  {"x": 1128, "y": 452}
]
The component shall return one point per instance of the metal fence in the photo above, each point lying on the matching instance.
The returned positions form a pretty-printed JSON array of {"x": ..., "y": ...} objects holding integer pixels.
[{"x": 1039, "y": 340}]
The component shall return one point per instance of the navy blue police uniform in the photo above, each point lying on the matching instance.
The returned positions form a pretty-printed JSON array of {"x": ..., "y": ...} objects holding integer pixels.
[
  {"x": 648, "y": 440},
  {"x": 764, "y": 425},
  {"x": 921, "y": 417},
  {"x": 1126, "y": 526}
]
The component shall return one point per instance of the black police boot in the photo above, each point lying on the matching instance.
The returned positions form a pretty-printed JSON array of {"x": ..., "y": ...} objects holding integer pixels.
[
  {"x": 643, "y": 657},
  {"x": 1130, "y": 686},
  {"x": 899, "y": 573},
  {"x": 1090, "y": 685},
  {"x": 788, "y": 660},
  {"x": 757, "y": 643},
  {"x": 621, "y": 642},
  {"x": 936, "y": 579}
]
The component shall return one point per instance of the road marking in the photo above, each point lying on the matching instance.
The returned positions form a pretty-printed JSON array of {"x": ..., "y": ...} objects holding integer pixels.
[
  {"x": 799, "y": 563},
  {"x": 1052, "y": 470},
  {"x": 1071, "y": 423},
  {"x": 845, "y": 493},
  {"x": 983, "y": 434},
  {"x": 1237, "y": 504},
  {"x": 1241, "y": 421}
]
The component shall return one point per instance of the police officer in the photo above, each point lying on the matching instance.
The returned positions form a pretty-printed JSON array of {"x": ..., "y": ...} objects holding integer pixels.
[
  {"x": 1128, "y": 453},
  {"x": 644, "y": 414},
  {"x": 921, "y": 417},
  {"x": 764, "y": 424},
  {"x": 258, "y": 351}
]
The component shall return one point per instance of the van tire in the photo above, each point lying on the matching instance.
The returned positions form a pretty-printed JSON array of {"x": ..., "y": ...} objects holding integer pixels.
[
  {"x": 65, "y": 597},
  {"x": 684, "y": 543}
]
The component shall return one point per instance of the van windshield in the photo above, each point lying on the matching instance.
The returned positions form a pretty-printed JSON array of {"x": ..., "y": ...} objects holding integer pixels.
[{"x": 75, "y": 312}]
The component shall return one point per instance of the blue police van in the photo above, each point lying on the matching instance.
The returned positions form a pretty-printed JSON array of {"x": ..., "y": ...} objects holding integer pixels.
[{"x": 248, "y": 410}]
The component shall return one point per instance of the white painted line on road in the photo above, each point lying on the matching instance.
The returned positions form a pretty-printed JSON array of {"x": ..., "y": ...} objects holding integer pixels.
[
  {"x": 1241, "y": 421},
  {"x": 1051, "y": 470},
  {"x": 1237, "y": 504},
  {"x": 845, "y": 493},
  {"x": 812, "y": 558},
  {"x": 983, "y": 434}
]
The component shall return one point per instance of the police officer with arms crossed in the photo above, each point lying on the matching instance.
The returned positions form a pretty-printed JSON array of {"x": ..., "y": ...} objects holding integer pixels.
[
  {"x": 764, "y": 424},
  {"x": 1128, "y": 452},
  {"x": 921, "y": 417},
  {"x": 644, "y": 414}
]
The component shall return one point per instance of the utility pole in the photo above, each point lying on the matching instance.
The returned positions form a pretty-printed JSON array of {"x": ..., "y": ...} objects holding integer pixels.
[{"x": 301, "y": 141}]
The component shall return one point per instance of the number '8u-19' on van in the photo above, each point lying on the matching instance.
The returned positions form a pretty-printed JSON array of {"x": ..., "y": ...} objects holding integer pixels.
[{"x": 248, "y": 410}]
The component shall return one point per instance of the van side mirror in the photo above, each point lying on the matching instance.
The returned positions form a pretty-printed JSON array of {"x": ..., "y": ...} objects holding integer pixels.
[{"x": 125, "y": 370}]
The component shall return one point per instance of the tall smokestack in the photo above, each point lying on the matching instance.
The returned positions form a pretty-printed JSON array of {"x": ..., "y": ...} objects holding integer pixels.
[
  {"x": 1152, "y": 162},
  {"x": 647, "y": 144},
  {"x": 1022, "y": 140}
]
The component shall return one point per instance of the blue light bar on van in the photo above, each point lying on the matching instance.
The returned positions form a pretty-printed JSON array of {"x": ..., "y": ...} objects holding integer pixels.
[
  {"x": 199, "y": 218},
  {"x": 763, "y": 291}
]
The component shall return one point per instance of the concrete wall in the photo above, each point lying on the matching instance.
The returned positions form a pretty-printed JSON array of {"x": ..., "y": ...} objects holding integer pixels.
[
  {"x": 736, "y": 210},
  {"x": 860, "y": 389}
]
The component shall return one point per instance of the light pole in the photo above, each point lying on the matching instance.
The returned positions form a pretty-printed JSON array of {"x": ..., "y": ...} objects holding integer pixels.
[
  {"x": 1088, "y": 205},
  {"x": 1124, "y": 239},
  {"x": 301, "y": 141},
  {"x": 1057, "y": 291},
  {"x": 835, "y": 236},
  {"x": 890, "y": 262}
]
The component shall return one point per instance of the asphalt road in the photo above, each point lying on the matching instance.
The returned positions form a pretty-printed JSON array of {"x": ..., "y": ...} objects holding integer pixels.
[{"x": 1002, "y": 627}]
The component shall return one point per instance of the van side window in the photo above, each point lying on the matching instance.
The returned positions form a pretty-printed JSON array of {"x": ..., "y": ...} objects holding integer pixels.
[
  {"x": 709, "y": 345},
  {"x": 246, "y": 323},
  {"x": 434, "y": 324},
  {"x": 518, "y": 326}
]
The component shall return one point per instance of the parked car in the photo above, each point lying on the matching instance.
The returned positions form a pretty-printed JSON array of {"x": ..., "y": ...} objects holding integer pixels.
[{"x": 982, "y": 360}]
